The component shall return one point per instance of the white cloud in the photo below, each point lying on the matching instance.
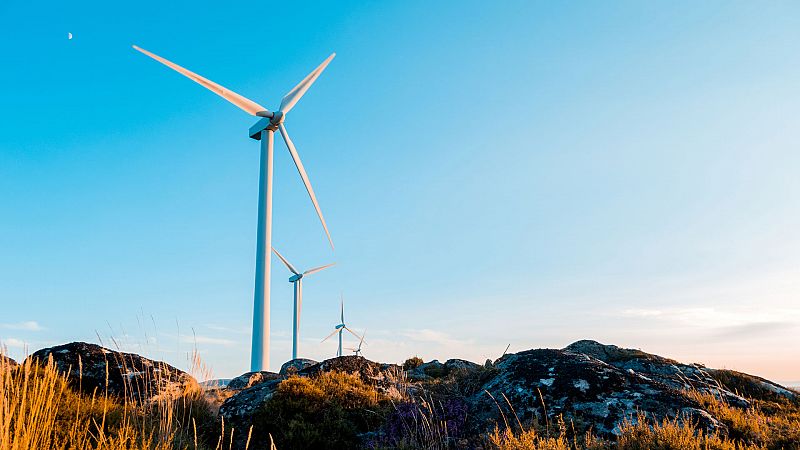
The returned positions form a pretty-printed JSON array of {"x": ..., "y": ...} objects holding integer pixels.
[
  {"x": 22, "y": 326},
  {"x": 206, "y": 340},
  {"x": 13, "y": 343},
  {"x": 641, "y": 312},
  {"x": 432, "y": 336}
]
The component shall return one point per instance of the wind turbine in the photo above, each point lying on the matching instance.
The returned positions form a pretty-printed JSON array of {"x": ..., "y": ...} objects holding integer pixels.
[
  {"x": 297, "y": 280},
  {"x": 357, "y": 350},
  {"x": 264, "y": 131},
  {"x": 340, "y": 328}
]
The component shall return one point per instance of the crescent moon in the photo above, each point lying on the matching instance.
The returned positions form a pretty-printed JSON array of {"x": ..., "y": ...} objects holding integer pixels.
[{"x": 69, "y": 36}]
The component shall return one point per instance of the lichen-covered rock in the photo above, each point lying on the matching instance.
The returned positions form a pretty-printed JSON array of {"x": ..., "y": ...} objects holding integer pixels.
[
  {"x": 434, "y": 369},
  {"x": 460, "y": 365},
  {"x": 382, "y": 376},
  {"x": 672, "y": 373},
  {"x": 427, "y": 371},
  {"x": 582, "y": 388},
  {"x": 239, "y": 409},
  {"x": 752, "y": 386},
  {"x": 295, "y": 365},
  {"x": 250, "y": 379},
  {"x": 89, "y": 366}
]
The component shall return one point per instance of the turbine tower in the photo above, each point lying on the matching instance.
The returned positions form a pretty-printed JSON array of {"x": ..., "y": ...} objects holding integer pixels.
[
  {"x": 263, "y": 130},
  {"x": 297, "y": 280},
  {"x": 340, "y": 328}
]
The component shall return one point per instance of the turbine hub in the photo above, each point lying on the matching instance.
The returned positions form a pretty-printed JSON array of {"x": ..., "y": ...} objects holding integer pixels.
[
  {"x": 276, "y": 119},
  {"x": 295, "y": 277}
]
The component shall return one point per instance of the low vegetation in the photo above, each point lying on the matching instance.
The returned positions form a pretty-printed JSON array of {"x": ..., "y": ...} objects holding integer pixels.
[
  {"x": 41, "y": 409},
  {"x": 329, "y": 410},
  {"x": 767, "y": 425}
]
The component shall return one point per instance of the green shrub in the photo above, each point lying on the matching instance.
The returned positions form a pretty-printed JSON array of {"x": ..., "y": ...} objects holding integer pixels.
[
  {"x": 326, "y": 411},
  {"x": 412, "y": 363}
]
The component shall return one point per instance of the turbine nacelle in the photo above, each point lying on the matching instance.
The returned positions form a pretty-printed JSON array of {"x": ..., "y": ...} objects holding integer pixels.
[{"x": 294, "y": 278}]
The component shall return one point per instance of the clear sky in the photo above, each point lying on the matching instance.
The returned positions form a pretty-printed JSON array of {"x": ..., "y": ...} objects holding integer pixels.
[{"x": 518, "y": 172}]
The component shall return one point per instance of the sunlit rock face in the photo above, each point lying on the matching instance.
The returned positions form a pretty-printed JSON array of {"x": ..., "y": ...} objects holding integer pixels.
[
  {"x": 545, "y": 384},
  {"x": 250, "y": 379},
  {"x": 685, "y": 376},
  {"x": 95, "y": 369},
  {"x": 295, "y": 365}
]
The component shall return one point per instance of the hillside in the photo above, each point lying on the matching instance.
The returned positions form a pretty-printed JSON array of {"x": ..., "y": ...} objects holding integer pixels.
[{"x": 587, "y": 395}]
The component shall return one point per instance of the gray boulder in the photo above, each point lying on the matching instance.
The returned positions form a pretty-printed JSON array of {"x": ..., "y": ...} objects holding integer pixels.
[
  {"x": 667, "y": 371},
  {"x": 250, "y": 379},
  {"x": 238, "y": 410},
  {"x": 383, "y": 376},
  {"x": 129, "y": 375},
  {"x": 543, "y": 384},
  {"x": 460, "y": 365},
  {"x": 295, "y": 365}
]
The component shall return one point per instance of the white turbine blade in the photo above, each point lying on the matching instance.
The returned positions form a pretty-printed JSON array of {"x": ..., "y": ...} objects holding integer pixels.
[
  {"x": 304, "y": 176},
  {"x": 244, "y": 103},
  {"x": 329, "y": 336},
  {"x": 353, "y": 333},
  {"x": 342, "y": 303},
  {"x": 293, "y": 96},
  {"x": 285, "y": 262},
  {"x": 363, "y": 335},
  {"x": 317, "y": 269}
]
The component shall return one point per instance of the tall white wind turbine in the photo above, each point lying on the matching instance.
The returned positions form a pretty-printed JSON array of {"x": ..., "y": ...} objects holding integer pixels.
[
  {"x": 264, "y": 131},
  {"x": 297, "y": 280},
  {"x": 341, "y": 328}
]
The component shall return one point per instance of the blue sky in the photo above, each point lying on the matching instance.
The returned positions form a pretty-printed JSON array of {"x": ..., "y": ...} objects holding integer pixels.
[{"x": 523, "y": 173}]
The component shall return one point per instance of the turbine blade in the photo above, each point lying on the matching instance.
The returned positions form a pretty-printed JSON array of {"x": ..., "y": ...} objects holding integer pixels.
[
  {"x": 329, "y": 336},
  {"x": 342, "y": 303},
  {"x": 353, "y": 333},
  {"x": 297, "y": 92},
  {"x": 318, "y": 269},
  {"x": 244, "y": 103},
  {"x": 304, "y": 176},
  {"x": 285, "y": 262}
]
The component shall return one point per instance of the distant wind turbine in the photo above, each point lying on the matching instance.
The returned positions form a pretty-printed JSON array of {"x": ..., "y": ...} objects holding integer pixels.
[
  {"x": 340, "y": 328},
  {"x": 264, "y": 131},
  {"x": 357, "y": 350},
  {"x": 297, "y": 280}
]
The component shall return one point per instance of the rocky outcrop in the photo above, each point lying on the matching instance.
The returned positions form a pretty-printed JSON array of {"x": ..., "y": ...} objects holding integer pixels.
[
  {"x": 752, "y": 386},
  {"x": 295, "y": 365},
  {"x": 239, "y": 409},
  {"x": 382, "y": 376},
  {"x": 251, "y": 379},
  {"x": 92, "y": 368},
  {"x": 434, "y": 369},
  {"x": 587, "y": 383},
  {"x": 672, "y": 373},
  {"x": 544, "y": 384}
]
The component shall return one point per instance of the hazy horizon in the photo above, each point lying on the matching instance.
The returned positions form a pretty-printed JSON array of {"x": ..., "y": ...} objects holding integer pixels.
[{"x": 528, "y": 174}]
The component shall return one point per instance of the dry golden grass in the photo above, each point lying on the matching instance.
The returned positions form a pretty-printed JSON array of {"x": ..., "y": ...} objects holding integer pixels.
[
  {"x": 38, "y": 410},
  {"x": 767, "y": 425}
]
